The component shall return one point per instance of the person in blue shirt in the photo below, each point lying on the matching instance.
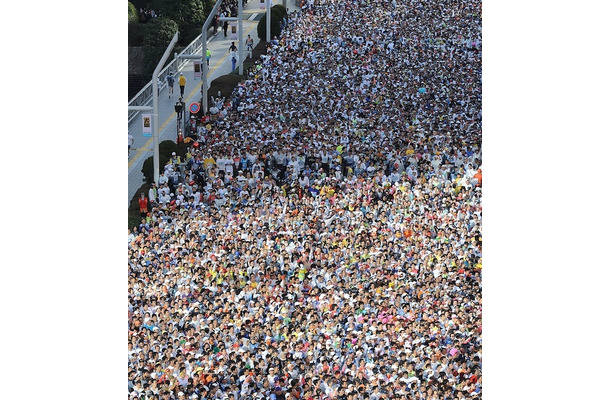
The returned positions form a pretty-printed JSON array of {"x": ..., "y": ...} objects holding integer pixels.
[{"x": 170, "y": 83}]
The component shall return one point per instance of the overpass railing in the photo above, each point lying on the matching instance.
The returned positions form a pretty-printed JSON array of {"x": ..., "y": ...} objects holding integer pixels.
[{"x": 144, "y": 96}]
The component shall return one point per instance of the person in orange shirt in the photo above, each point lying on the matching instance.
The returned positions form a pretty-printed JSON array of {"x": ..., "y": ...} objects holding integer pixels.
[{"x": 143, "y": 202}]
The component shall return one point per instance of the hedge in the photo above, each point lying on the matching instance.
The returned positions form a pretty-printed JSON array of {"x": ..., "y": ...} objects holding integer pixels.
[
  {"x": 281, "y": 8},
  {"x": 261, "y": 29}
]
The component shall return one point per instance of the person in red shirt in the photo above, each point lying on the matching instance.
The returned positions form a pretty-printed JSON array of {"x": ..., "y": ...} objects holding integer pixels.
[{"x": 143, "y": 201}]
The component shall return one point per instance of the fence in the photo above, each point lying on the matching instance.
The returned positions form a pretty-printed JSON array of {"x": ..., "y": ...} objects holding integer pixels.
[{"x": 144, "y": 96}]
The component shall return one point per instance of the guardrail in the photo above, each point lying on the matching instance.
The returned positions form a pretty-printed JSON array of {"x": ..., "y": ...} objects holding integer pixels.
[{"x": 144, "y": 96}]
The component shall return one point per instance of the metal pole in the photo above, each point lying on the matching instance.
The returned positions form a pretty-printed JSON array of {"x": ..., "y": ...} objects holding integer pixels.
[
  {"x": 204, "y": 63},
  {"x": 155, "y": 116},
  {"x": 268, "y": 21},
  {"x": 240, "y": 32},
  {"x": 204, "y": 50}
]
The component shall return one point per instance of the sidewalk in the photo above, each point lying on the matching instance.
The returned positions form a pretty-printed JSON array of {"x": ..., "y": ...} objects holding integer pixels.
[{"x": 220, "y": 65}]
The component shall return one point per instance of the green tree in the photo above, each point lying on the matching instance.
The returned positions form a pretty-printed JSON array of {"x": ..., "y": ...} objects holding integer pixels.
[
  {"x": 207, "y": 6},
  {"x": 157, "y": 35},
  {"x": 188, "y": 14},
  {"x": 183, "y": 11},
  {"x": 133, "y": 14}
]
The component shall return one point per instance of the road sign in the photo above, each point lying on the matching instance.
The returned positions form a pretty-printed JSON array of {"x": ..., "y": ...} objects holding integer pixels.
[{"x": 194, "y": 108}]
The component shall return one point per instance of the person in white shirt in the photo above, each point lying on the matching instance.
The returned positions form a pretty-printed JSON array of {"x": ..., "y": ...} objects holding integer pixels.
[
  {"x": 296, "y": 168},
  {"x": 251, "y": 156},
  {"x": 338, "y": 173},
  {"x": 130, "y": 141},
  {"x": 301, "y": 161},
  {"x": 436, "y": 162},
  {"x": 280, "y": 158},
  {"x": 152, "y": 194},
  {"x": 197, "y": 196},
  {"x": 163, "y": 189},
  {"x": 304, "y": 181},
  {"x": 179, "y": 198},
  {"x": 162, "y": 179},
  {"x": 220, "y": 163},
  {"x": 164, "y": 199},
  {"x": 344, "y": 140},
  {"x": 229, "y": 167},
  {"x": 325, "y": 160},
  {"x": 241, "y": 179}
]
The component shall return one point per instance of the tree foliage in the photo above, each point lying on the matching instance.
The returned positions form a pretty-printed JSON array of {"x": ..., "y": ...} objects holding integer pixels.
[
  {"x": 188, "y": 14},
  {"x": 158, "y": 33},
  {"x": 133, "y": 14},
  {"x": 183, "y": 11},
  {"x": 207, "y": 6}
]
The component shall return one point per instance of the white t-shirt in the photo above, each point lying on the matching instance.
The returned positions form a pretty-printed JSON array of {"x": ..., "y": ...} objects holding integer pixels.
[
  {"x": 151, "y": 195},
  {"x": 304, "y": 181}
]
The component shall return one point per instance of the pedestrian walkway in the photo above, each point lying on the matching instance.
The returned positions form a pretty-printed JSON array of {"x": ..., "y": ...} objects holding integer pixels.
[{"x": 220, "y": 64}]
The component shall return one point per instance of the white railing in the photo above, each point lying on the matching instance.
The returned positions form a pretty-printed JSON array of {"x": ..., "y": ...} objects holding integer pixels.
[{"x": 144, "y": 96}]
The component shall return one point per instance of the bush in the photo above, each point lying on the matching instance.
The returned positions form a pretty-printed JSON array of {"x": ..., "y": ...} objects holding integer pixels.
[
  {"x": 148, "y": 166},
  {"x": 133, "y": 16},
  {"x": 166, "y": 148},
  {"x": 281, "y": 8},
  {"x": 278, "y": 13},
  {"x": 135, "y": 34},
  {"x": 261, "y": 29}
]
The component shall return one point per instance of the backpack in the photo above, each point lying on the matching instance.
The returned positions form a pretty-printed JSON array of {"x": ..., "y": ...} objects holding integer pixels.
[{"x": 170, "y": 80}]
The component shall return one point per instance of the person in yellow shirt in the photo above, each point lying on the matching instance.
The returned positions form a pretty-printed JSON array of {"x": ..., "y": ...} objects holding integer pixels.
[
  {"x": 182, "y": 83},
  {"x": 209, "y": 162}
]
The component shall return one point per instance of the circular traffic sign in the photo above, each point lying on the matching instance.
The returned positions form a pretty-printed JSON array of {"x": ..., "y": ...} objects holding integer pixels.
[{"x": 194, "y": 108}]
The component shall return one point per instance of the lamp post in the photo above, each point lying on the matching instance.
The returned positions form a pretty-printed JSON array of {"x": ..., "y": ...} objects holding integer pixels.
[
  {"x": 155, "y": 116},
  {"x": 240, "y": 45},
  {"x": 268, "y": 21},
  {"x": 204, "y": 49},
  {"x": 178, "y": 107}
]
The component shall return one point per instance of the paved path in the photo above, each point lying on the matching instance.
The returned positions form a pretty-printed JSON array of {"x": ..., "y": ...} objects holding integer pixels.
[{"x": 220, "y": 65}]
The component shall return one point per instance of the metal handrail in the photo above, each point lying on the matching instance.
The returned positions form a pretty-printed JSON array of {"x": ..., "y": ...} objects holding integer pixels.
[{"x": 144, "y": 96}]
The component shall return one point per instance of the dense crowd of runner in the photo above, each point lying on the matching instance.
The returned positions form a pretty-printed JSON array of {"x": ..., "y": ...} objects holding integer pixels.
[{"x": 322, "y": 239}]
